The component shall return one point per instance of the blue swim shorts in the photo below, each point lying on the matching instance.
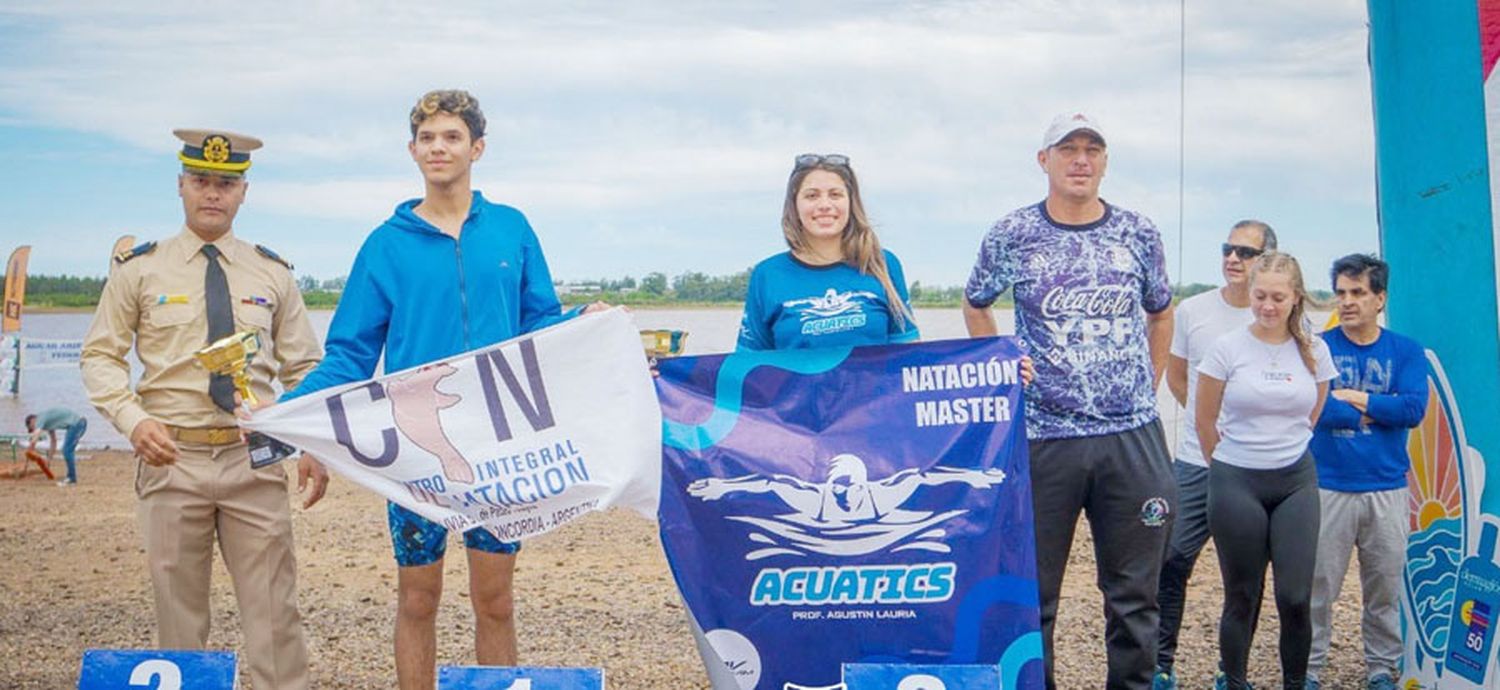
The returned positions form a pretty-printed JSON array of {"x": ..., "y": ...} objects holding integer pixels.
[{"x": 419, "y": 541}]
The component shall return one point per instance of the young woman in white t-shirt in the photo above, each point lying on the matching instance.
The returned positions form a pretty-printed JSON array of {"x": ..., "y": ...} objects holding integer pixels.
[{"x": 1260, "y": 390}]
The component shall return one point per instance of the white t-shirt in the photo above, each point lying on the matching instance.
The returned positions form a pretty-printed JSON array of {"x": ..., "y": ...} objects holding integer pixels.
[
  {"x": 1268, "y": 396},
  {"x": 1198, "y": 322}
]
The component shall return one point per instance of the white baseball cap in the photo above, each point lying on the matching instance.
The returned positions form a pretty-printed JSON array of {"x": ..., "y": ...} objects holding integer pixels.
[{"x": 1065, "y": 124}]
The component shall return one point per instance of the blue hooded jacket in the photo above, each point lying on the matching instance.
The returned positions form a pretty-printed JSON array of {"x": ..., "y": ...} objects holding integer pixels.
[{"x": 420, "y": 295}]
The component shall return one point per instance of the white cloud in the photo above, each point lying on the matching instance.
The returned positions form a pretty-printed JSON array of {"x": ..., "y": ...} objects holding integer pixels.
[{"x": 600, "y": 112}]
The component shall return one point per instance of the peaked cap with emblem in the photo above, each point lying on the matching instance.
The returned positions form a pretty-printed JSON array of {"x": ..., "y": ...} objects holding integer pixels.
[{"x": 215, "y": 152}]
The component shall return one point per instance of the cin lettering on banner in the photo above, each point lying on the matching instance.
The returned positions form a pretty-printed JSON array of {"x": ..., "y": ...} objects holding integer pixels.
[
  {"x": 518, "y": 438},
  {"x": 519, "y": 678},
  {"x": 821, "y": 507},
  {"x": 921, "y": 677},
  {"x": 105, "y": 669}
]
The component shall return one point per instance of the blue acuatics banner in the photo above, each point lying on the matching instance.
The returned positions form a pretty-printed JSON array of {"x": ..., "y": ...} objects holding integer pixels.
[{"x": 866, "y": 505}]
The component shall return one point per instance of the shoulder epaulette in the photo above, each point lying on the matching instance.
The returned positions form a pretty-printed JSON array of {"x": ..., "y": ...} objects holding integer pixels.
[
  {"x": 138, "y": 250},
  {"x": 266, "y": 252}
]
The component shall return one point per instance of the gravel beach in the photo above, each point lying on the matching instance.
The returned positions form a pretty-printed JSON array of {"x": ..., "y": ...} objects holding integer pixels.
[{"x": 596, "y": 593}]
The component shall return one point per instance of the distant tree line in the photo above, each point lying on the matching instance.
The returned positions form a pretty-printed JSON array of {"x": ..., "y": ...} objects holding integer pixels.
[
  {"x": 63, "y": 291},
  {"x": 654, "y": 288}
]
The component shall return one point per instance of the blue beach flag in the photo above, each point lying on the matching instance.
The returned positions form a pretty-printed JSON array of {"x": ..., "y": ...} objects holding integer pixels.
[{"x": 822, "y": 507}]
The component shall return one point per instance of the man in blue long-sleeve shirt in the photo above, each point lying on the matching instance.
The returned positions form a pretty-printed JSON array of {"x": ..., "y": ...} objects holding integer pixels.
[
  {"x": 446, "y": 274},
  {"x": 1360, "y": 449}
]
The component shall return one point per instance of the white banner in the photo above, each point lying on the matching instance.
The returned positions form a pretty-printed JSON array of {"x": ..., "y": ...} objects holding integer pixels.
[
  {"x": 46, "y": 354},
  {"x": 519, "y": 437}
]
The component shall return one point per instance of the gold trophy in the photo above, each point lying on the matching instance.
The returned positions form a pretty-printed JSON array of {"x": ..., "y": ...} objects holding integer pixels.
[
  {"x": 663, "y": 342},
  {"x": 231, "y": 356}
]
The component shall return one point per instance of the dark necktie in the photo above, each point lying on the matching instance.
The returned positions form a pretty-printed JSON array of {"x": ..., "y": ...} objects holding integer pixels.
[{"x": 220, "y": 323}]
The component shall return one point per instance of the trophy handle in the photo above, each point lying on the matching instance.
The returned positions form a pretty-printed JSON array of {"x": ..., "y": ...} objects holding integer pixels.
[{"x": 242, "y": 382}]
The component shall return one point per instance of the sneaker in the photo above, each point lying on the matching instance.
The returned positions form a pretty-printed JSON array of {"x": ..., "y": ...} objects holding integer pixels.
[
  {"x": 67, "y": 482},
  {"x": 1221, "y": 682},
  {"x": 1382, "y": 682},
  {"x": 1313, "y": 684},
  {"x": 1164, "y": 680}
]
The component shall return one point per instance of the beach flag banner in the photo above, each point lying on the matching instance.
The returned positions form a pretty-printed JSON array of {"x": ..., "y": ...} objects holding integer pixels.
[
  {"x": 1437, "y": 129},
  {"x": 822, "y": 507},
  {"x": 15, "y": 289},
  {"x": 922, "y": 677},
  {"x": 108, "y": 669},
  {"x": 519, "y": 437},
  {"x": 519, "y": 678}
]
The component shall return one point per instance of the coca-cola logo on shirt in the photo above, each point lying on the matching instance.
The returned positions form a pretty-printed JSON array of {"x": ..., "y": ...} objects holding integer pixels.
[{"x": 1098, "y": 301}]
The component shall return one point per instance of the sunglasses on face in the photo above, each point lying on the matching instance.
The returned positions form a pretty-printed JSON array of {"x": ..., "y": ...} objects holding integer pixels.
[
  {"x": 807, "y": 160},
  {"x": 1240, "y": 250}
]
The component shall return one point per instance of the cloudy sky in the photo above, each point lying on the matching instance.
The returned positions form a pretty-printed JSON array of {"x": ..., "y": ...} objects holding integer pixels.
[{"x": 656, "y": 136}]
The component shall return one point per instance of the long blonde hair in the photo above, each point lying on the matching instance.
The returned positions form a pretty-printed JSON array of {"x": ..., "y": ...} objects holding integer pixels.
[
  {"x": 1296, "y": 322},
  {"x": 858, "y": 243}
]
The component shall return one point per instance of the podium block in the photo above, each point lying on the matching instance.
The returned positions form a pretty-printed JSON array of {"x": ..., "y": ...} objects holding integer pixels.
[
  {"x": 921, "y": 677},
  {"x": 152, "y": 669},
  {"x": 519, "y": 678}
]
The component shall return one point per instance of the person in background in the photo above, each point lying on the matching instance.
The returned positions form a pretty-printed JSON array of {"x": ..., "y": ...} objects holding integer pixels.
[
  {"x": 1360, "y": 449},
  {"x": 73, "y": 426},
  {"x": 1199, "y": 321},
  {"x": 1260, "y": 391}
]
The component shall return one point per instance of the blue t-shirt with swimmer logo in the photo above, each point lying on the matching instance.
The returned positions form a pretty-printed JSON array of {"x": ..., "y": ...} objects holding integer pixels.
[{"x": 791, "y": 304}]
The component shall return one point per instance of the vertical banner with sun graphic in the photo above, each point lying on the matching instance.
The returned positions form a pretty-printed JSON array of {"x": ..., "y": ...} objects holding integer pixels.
[{"x": 1437, "y": 130}]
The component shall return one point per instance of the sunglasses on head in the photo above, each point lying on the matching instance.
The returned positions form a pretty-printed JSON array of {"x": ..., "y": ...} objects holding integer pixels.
[
  {"x": 1240, "y": 250},
  {"x": 807, "y": 160}
]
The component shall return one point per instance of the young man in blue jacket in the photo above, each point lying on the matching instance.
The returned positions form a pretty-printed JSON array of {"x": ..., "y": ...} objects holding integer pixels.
[
  {"x": 446, "y": 274},
  {"x": 1360, "y": 449}
]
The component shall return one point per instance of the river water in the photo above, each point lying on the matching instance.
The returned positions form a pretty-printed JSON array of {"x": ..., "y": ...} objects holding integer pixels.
[{"x": 709, "y": 331}]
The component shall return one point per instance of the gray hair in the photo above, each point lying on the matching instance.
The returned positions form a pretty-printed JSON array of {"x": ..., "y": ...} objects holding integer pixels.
[{"x": 1267, "y": 234}]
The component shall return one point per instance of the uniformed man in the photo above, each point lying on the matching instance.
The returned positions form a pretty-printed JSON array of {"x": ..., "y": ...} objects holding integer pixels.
[{"x": 194, "y": 478}]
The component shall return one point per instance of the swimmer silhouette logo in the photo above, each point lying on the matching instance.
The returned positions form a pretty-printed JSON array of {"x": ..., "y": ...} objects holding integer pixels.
[
  {"x": 832, "y": 312},
  {"x": 848, "y": 514}
]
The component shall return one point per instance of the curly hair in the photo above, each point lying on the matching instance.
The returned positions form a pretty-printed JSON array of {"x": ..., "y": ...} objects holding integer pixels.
[{"x": 452, "y": 101}]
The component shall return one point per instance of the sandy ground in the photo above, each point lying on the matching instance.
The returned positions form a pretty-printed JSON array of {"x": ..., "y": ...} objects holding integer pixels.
[{"x": 597, "y": 593}]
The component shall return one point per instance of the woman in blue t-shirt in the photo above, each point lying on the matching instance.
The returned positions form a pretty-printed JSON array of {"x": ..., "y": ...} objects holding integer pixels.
[{"x": 836, "y": 287}]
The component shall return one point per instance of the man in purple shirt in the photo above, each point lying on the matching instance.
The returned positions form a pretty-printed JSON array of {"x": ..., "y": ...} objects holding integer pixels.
[{"x": 1094, "y": 307}]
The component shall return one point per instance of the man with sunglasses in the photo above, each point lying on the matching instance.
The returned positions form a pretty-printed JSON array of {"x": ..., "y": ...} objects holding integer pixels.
[
  {"x": 1198, "y": 322},
  {"x": 1360, "y": 449},
  {"x": 1094, "y": 306}
]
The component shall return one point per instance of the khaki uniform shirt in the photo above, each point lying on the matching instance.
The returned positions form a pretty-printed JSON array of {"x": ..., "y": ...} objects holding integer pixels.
[{"x": 156, "y": 301}]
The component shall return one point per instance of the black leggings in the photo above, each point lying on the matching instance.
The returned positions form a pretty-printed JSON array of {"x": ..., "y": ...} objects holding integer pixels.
[{"x": 1260, "y": 516}]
